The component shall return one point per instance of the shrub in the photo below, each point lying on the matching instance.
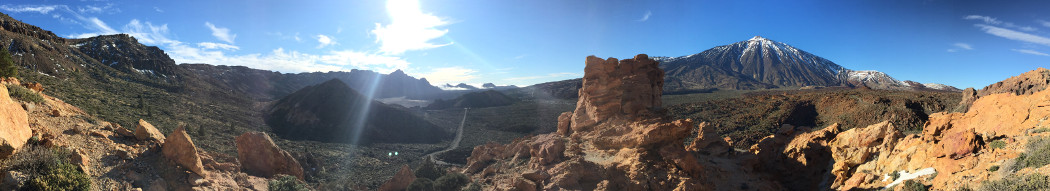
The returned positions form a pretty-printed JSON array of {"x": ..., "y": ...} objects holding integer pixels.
[
  {"x": 64, "y": 176},
  {"x": 429, "y": 170},
  {"x": 1037, "y": 154},
  {"x": 474, "y": 186},
  {"x": 912, "y": 185},
  {"x": 997, "y": 144},
  {"x": 287, "y": 183},
  {"x": 451, "y": 181},
  {"x": 894, "y": 175},
  {"x": 47, "y": 169},
  {"x": 1040, "y": 130},
  {"x": 24, "y": 94},
  {"x": 1032, "y": 181},
  {"x": 421, "y": 184},
  {"x": 993, "y": 168},
  {"x": 7, "y": 65}
]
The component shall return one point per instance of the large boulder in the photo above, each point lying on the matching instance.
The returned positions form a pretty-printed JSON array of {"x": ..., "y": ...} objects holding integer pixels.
[
  {"x": 708, "y": 141},
  {"x": 180, "y": 148},
  {"x": 856, "y": 146},
  {"x": 260, "y": 156},
  {"x": 146, "y": 132},
  {"x": 614, "y": 89},
  {"x": 400, "y": 180},
  {"x": 14, "y": 125}
]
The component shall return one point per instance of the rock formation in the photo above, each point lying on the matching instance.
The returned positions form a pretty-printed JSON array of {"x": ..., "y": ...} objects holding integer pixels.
[
  {"x": 146, "y": 132},
  {"x": 1024, "y": 84},
  {"x": 180, "y": 148},
  {"x": 259, "y": 155},
  {"x": 615, "y": 89},
  {"x": 400, "y": 180},
  {"x": 14, "y": 125}
]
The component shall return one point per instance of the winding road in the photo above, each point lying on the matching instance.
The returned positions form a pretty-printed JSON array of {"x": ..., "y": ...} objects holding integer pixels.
[{"x": 455, "y": 142}]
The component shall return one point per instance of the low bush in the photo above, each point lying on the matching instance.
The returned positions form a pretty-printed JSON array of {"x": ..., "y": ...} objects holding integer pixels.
[
  {"x": 912, "y": 185},
  {"x": 47, "y": 169},
  {"x": 997, "y": 144},
  {"x": 421, "y": 184},
  {"x": 1037, "y": 154},
  {"x": 451, "y": 181},
  {"x": 1032, "y": 181},
  {"x": 474, "y": 186},
  {"x": 287, "y": 183},
  {"x": 993, "y": 168},
  {"x": 24, "y": 94},
  {"x": 429, "y": 170}
]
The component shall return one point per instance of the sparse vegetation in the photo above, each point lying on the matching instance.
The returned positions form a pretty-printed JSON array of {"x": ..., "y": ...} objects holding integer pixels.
[
  {"x": 24, "y": 94},
  {"x": 993, "y": 168},
  {"x": 421, "y": 184},
  {"x": 287, "y": 183},
  {"x": 429, "y": 170},
  {"x": 47, "y": 169},
  {"x": 1041, "y": 130},
  {"x": 474, "y": 186},
  {"x": 894, "y": 175},
  {"x": 1037, "y": 154},
  {"x": 912, "y": 185},
  {"x": 997, "y": 144},
  {"x": 7, "y": 66},
  {"x": 1034, "y": 181},
  {"x": 451, "y": 181}
]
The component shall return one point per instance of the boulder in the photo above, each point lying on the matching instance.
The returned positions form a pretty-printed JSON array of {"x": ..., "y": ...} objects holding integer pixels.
[
  {"x": 564, "y": 122},
  {"x": 180, "y": 148},
  {"x": 146, "y": 132},
  {"x": 14, "y": 125},
  {"x": 400, "y": 180},
  {"x": 260, "y": 156},
  {"x": 37, "y": 87},
  {"x": 855, "y": 146},
  {"x": 708, "y": 141},
  {"x": 547, "y": 148}
]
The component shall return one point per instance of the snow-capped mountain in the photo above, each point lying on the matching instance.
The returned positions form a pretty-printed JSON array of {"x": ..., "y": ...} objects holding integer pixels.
[{"x": 759, "y": 63}]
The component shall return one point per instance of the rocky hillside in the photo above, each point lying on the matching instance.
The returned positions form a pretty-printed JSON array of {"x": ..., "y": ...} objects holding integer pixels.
[
  {"x": 490, "y": 98},
  {"x": 332, "y": 112},
  {"x": 1025, "y": 84}
]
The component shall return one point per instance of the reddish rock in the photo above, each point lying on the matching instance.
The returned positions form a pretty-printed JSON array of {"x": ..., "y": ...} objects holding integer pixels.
[
  {"x": 180, "y": 148},
  {"x": 708, "y": 141},
  {"x": 56, "y": 113},
  {"x": 14, "y": 125},
  {"x": 856, "y": 146},
  {"x": 37, "y": 87},
  {"x": 547, "y": 148},
  {"x": 260, "y": 156},
  {"x": 1025, "y": 84},
  {"x": 82, "y": 161},
  {"x": 564, "y": 122},
  {"x": 482, "y": 155},
  {"x": 615, "y": 89},
  {"x": 400, "y": 180},
  {"x": 146, "y": 132}
]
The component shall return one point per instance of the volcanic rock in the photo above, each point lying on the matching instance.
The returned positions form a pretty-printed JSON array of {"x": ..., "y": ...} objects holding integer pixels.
[
  {"x": 146, "y": 132},
  {"x": 856, "y": 146},
  {"x": 260, "y": 156},
  {"x": 400, "y": 180},
  {"x": 1024, "y": 84},
  {"x": 180, "y": 148},
  {"x": 708, "y": 141},
  {"x": 14, "y": 125},
  {"x": 615, "y": 89}
]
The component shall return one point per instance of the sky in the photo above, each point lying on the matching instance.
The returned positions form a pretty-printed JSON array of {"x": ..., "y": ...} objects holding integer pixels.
[{"x": 958, "y": 43}]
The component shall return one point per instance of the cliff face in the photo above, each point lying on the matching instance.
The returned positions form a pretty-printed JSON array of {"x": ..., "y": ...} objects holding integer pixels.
[{"x": 618, "y": 89}]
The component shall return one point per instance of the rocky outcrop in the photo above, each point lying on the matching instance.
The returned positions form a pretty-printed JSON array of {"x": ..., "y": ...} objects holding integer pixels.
[
  {"x": 708, "y": 141},
  {"x": 14, "y": 125},
  {"x": 1024, "y": 84},
  {"x": 400, "y": 180},
  {"x": 614, "y": 89},
  {"x": 260, "y": 156},
  {"x": 146, "y": 132},
  {"x": 180, "y": 148}
]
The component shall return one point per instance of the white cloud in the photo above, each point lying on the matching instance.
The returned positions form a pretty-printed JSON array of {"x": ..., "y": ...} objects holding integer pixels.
[
  {"x": 158, "y": 9},
  {"x": 212, "y": 45},
  {"x": 963, "y": 46},
  {"x": 322, "y": 40},
  {"x": 1043, "y": 22},
  {"x": 986, "y": 19},
  {"x": 42, "y": 9},
  {"x": 1014, "y": 35},
  {"x": 221, "y": 33},
  {"x": 1029, "y": 51},
  {"x": 410, "y": 29},
  {"x": 448, "y": 75},
  {"x": 646, "y": 16}
]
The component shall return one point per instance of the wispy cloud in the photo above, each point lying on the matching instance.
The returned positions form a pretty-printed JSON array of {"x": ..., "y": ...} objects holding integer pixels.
[
  {"x": 993, "y": 21},
  {"x": 158, "y": 9},
  {"x": 221, "y": 33},
  {"x": 1014, "y": 35},
  {"x": 323, "y": 41},
  {"x": 1043, "y": 22},
  {"x": 453, "y": 74},
  {"x": 1029, "y": 51},
  {"x": 646, "y": 16},
  {"x": 212, "y": 45},
  {"x": 410, "y": 28},
  {"x": 42, "y": 9},
  {"x": 960, "y": 46}
]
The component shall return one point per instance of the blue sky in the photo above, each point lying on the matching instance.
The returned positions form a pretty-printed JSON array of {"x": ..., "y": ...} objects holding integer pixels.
[{"x": 959, "y": 43}]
